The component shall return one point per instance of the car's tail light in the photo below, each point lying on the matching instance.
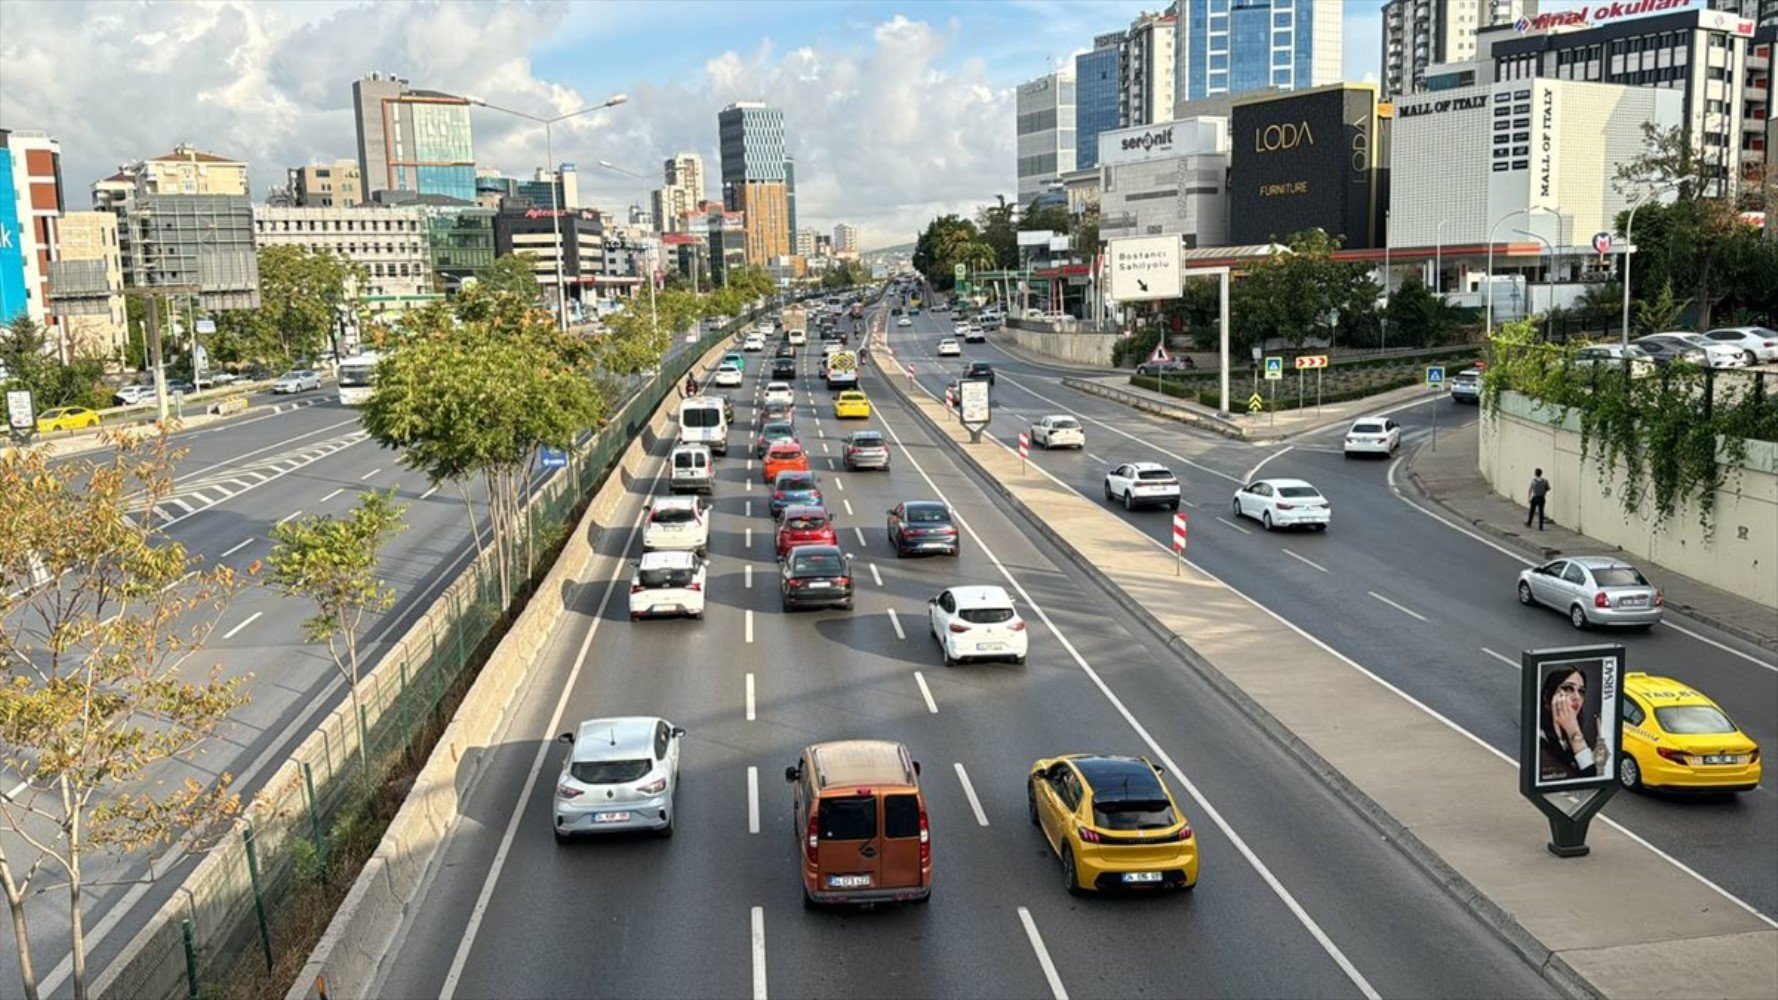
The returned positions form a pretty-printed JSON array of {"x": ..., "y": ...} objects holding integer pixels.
[
  {"x": 812, "y": 845},
  {"x": 1660, "y": 599},
  {"x": 636, "y": 588},
  {"x": 844, "y": 581},
  {"x": 1753, "y": 758},
  {"x": 958, "y": 628},
  {"x": 1287, "y": 506},
  {"x": 1673, "y": 754},
  {"x": 1600, "y": 600},
  {"x": 1185, "y": 832},
  {"x": 795, "y": 581},
  {"x": 1018, "y": 625},
  {"x": 654, "y": 787},
  {"x": 696, "y": 587},
  {"x": 925, "y": 841},
  {"x": 1090, "y": 836},
  {"x": 777, "y": 494},
  {"x": 567, "y": 792}
]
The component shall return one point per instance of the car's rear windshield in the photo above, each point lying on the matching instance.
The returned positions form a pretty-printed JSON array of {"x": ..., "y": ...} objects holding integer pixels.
[
  {"x": 1134, "y": 814},
  {"x": 927, "y": 515},
  {"x": 784, "y": 454},
  {"x": 1694, "y": 720},
  {"x": 1299, "y": 492},
  {"x": 701, "y": 416},
  {"x": 851, "y": 818},
  {"x": 796, "y": 483},
  {"x": 901, "y": 816},
  {"x": 816, "y": 564},
  {"x": 778, "y": 428},
  {"x": 1367, "y": 428},
  {"x": 608, "y": 772},
  {"x": 675, "y": 576},
  {"x": 867, "y": 440},
  {"x": 985, "y": 616},
  {"x": 687, "y": 459},
  {"x": 805, "y": 523},
  {"x": 1065, "y": 424},
  {"x": 674, "y": 515},
  {"x": 1619, "y": 576},
  {"x": 1154, "y": 474}
]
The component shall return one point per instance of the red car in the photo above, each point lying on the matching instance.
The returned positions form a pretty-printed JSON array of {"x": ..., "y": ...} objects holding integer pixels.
[
  {"x": 784, "y": 458},
  {"x": 804, "y": 524}
]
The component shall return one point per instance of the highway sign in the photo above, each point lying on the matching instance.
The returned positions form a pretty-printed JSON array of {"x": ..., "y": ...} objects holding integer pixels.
[
  {"x": 1311, "y": 361},
  {"x": 1255, "y": 403},
  {"x": 1274, "y": 368},
  {"x": 960, "y": 272},
  {"x": 552, "y": 458},
  {"x": 1435, "y": 376}
]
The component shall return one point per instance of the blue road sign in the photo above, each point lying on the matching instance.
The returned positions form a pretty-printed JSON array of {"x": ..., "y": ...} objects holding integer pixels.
[
  {"x": 1274, "y": 368},
  {"x": 553, "y": 458},
  {"x": 1435, "y": 376}
]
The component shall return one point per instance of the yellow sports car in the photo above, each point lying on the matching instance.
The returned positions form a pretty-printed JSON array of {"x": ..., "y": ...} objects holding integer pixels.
[
  {"x": 1677, "y": 739},
  {"x": 1112, "y": 823},
  {"x": 66, "y": 418},
  {"x": 852, "y": 403}
]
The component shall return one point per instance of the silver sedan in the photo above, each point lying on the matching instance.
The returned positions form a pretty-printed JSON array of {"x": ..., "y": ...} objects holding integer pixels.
[{"x": 1593, "y": 590}]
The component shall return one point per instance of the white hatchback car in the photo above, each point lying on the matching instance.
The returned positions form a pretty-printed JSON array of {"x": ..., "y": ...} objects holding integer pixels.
[
  {"x": 1373, "y": 436},
  {"x": 949, "y": 348},
  {"x": 779, "y": 392},
  {"x": 619, "y": 776},
  {"x": 1058, "y": 431},
  {"x": 977, "y": 623},
  {"x": 904, "y": 321},
  {"x": 1140, "y": 484},
  {"x": 681, "y": 523},
  {"x": 668, "y": 583},
  {"x": 728, "y": 376},
  {"x": 753, "y": 342},
  {"x": 1283, "y": 503}
]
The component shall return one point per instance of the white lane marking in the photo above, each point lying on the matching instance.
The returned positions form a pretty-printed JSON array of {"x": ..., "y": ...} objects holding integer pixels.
[
  {"x": 750, "y": 465},
  {"x": 752, "y": 799},
  {"x": 749, "y": 538},
  {"x": 860, "y": 532},
  {"x": 1043, "y": 955},
  {"x": 876, "y": 576},
  {"x": 750, "y": 485},
  {"x": 824, "y": 448},
  {"x": 1509, "y": 661},
  {"x": 759, "y": 953},
  {"x": 369, "y": 474},
  {"x": 1284, "y": 895},
  {"x": 293, "y": 514},
  {"x": 1253, "y": 473},
  {"x": 749, "y": 508},
  {"x": 449, "y": 989},
  {"x": 926, "y": 693},
  {"x": 1235, "y": 526},
  {"x": 837, "y": 481},
  {"x": 975, "y": 804},
  {"x": 1307, "y": 562},
  {"x": 1116, "y": 430},
  {"x": 176, "y": 583},
  {"x": 747, "y": 574},
  {"x": 238, "y": 546},
  {"x": 250, "y": 619},
  {"x": 429, "y": 491},
  {"x": 182, "y": 505},
  {"x": 1404, "y": 610},
  {"x": 749, "y": 697},
  {"x": 1096, "y": 458},
  {"x": 893, "y": 620},
  {"x": 748, "y": 619},
  {"x": 335, "y": 493},
  {"x": 1773, "y": 667},
  {"x": 848, "y": 505}
]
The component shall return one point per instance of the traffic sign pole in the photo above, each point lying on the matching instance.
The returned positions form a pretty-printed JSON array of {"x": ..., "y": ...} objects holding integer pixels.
[{"x": 1024, "y": 451}]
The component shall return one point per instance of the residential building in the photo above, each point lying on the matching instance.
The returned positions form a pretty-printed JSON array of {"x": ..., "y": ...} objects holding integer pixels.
[
  {"x": 189, "y": 170},
  {"x": 728, "y": 242},
  {"x": 1148, "y": 89},
  {"x": 845, "y": 240},
  {"x": 1307, "y": 159},
  {"x": 412, "y": 140},
  {"x": 1164, "y": 179},
  {"x": 326, "y": 185},
  {"x": 1422, "y": 33},
  {"x": 116, "y": 195},
  {"x": 804, "y": 245},
  {"x": 682, "y": 191},
  {"x": 1703, "y": 54},
  {"x": 1236, "y": 46},
  {"x": 1045, "y": 132},
  {"x": 756, "y": 175},
  {"x": 389, "y": 243},
  {"x": 201, "y": 240},
  {"x": 86, "y": 286},
  {"x": 31, "y": 208}
]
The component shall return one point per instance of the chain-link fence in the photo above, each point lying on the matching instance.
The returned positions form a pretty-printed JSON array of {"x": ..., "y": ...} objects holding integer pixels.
[{"x": 243, "y": 897}]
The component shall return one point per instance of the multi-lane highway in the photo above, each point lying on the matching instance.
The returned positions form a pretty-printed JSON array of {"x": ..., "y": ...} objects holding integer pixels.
[
  {"x": 1297, "y": 896},
  {"x": 1427, "y": 607}
]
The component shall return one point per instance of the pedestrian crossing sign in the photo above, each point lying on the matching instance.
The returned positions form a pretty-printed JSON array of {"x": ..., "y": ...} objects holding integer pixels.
[
  {"x": 1435, "y": 376},
  {"x": 1274, "y": 368}
]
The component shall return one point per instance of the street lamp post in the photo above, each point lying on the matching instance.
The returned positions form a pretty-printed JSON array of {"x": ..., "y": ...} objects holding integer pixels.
[
  {"x": 1629, "y": 224},
  {"x": 1491, "y": 230},
  {"x": 555, "y": 185},
  {"x": 1438, "y": 258},
  {"x": 1550, "y": 252},
  {"x": 1383, "y": 343}
]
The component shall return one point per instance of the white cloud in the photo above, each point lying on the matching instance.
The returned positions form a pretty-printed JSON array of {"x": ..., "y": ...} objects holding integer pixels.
[{"x": 886, "y": 134}]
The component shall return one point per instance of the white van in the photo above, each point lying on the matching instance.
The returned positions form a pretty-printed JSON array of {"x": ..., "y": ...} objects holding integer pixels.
[
  {"x": 797, "y": 336},
  {"x": 702, "y": 420},
  {"x": 690, "y": 469}
]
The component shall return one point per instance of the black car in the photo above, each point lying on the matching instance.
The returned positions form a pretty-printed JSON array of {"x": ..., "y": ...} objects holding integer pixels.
[
  {"x": 917, "y": 526},
  {"x": 784, "y": 351},
  {"x": 979, "y": 370},
  {"x": 783, "y": 369},
  {"x": 1664, "y": 349},
  {"x": 816, "y": 576}
]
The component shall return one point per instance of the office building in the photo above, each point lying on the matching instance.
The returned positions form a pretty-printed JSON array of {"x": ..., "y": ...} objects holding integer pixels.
[
  {"x": 31, "y": 208},
  {"x": 460, "y": 242},
  {"x": 390, "y": 244},
  {"x": 412, "y": 140},
  {"x": 1237, "y": 46},
  {"x": 1307, "y": 160},
  {"x": 1098, "y": 79},
  {"x": 1160, "y": 179},
  {"x": 202, "y": 240},
  {"x": 1045, "y": 132},
  {"x": 728, "y": 242},
  {"x": 756, "y": 175},
  {"x": 845, "y": 240},
  {"x": 86, "y": 286},
  {"x": 790, "y": 192},
  {"x": 325, "y": 185}
]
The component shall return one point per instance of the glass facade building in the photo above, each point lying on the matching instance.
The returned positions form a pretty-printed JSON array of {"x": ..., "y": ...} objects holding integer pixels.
[
  {"x": 1236, "y": 46},
  {"x": 413, "y": 140},
  {"x": 1096, "y": 81}
]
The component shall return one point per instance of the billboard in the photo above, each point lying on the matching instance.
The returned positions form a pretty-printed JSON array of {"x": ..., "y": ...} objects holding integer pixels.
[
  {"x": 1143, "y": 268},
  {"x": 973, "y": 402},
  {"x": 12, "y": 245},
  {"x": 1571, "y": 718},
  {"x": 1304, "y": 161}
]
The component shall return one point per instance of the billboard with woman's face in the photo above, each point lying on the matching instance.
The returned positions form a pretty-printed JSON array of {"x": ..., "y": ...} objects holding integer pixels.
[{"x": 1572, "y": 719}]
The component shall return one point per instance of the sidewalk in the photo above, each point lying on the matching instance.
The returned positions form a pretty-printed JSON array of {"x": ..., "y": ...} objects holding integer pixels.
[
  {"x": 1258, "y": 428},
  {"x": 1448, "y": 478}
]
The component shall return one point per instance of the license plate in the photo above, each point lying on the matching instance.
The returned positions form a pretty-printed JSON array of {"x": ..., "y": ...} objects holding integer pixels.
[
  {"x": 1140, "y": 877},
  {"x": 1724, "y": 758},
  {"x": 992, "y": 647},
  {"x": 818, "y": 584},
  {"x": 1633, "y": 602},
  {"x": 848, "y": 881},
  {"x": 617, "y": 817}
]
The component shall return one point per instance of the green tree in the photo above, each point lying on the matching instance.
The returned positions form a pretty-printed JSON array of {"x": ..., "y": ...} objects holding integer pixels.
[
  {"x": 476, "y": 400},
  {"x": 1300, "y": 292},
  {"x": 334, "y": 564},
  {"x": 24, "y": 354},
  {"x": 1054, "y": 218},
  {"x": 999, "y": 229},
  {"x": 1658, "y": 313},
  {"x": 98, "y": 611},
  {"x": 1418, "y": 318},
  {"x": 299, "y": 288},
  {"x": 937, "y": 247},
  {"x": 511, "y": 274}
]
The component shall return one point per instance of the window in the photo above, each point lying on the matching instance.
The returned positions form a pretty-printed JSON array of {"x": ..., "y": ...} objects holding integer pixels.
[
  {"x": 1633, "y": 712},
  {"x": 851, "y": 818},
  {"x": 1694, "y": 720},
  {"x": 662, "y": 738},
  {"x": 901, "y": 816},
  {"x": 609, "y": 772},
  {"x": 1572, "y": 574}
]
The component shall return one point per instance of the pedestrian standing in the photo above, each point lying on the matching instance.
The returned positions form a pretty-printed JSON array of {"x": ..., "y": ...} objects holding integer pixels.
[{"x": 1540, "y": 488}]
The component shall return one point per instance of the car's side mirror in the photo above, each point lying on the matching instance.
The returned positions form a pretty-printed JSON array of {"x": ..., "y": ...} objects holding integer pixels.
[
  {"x": 793, "y": 774},
  {"x": 916, "y": 767},
  {"x": 565, "y": 738},
  {"x": 678, "y": 731},
  {"x": 1158, "y": 769},
  {"x": 932, "y": 600}
]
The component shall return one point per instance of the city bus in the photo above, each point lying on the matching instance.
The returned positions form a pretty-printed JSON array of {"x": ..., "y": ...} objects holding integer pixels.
[{"x": 358, "y": 378}]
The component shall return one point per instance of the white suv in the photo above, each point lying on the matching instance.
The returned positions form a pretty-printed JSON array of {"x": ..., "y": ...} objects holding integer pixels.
[
  {"x": 1140, "y": 484},
  {"x": 667, "y": 583},
  {"x": 779, "y": 392},
  {"x": 681, "y": 523},
  {"x": 1058, "y": 430}
]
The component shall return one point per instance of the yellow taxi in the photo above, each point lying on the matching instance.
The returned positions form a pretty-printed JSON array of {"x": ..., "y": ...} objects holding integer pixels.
[
  {"x": 852, "y": 403},
  {"x": 66, "y": 418},
  {"x": 1112, "y": 823},
  {"x": 1677, "y": 739}
]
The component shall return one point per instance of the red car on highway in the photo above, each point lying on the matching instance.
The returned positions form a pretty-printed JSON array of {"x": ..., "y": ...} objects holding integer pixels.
[{"x": 804, "y": 524}]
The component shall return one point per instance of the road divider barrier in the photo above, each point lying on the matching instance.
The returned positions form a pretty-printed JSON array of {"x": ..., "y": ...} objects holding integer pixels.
[{"x": 233, "y": 404}]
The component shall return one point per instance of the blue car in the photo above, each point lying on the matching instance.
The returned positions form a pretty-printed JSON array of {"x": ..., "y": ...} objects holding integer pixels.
[{"x": 790, "y": 489}]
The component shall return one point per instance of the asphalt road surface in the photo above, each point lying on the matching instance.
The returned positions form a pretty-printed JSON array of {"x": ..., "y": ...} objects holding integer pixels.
[{"x": 1297, "y": 895}]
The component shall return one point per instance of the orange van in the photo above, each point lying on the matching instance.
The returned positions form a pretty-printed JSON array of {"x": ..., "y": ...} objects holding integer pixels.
[{"x": 861, "y": 822}]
